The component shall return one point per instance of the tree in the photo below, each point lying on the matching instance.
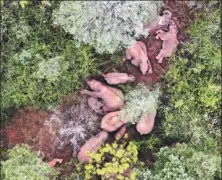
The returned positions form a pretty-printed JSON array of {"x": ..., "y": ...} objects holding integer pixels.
[
  {"x": 106, "y": 25},
  {"x": 25, "y": 164}
]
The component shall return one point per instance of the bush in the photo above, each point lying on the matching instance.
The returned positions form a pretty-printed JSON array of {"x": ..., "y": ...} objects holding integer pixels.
[
  {"x": 40, "y": 64},
  {"x": 111, "y": 161},
  {"x": 15, "y": 3},
  {"x": 24, "y": 164},
  {"x": 71, "y": 170},
  {"x": 109, "y": 25},
  {"x": 192, "y": 108},
  {"x": 148, "y": 144},
  {"x": 139, "y": 102},
  {"x": 184, "y": 162},
  {"x": 75, "y": 125}
]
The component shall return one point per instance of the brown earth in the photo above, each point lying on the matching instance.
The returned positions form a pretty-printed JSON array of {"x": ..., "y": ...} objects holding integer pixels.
[
  {"x": 28, "y": 127},
  {"x": 153, "y": 47}
]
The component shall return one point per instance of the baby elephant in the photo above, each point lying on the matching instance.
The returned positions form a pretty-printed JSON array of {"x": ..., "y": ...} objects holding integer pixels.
[
  {"x": 91, "y": 146},
  {"x": 170, "y": 42},
  {"x": 111, "y": 121},
  {"x": 54, "y": 162},
  {"x": 145, "y": 125},
  {"x": 95, "y": 105},
  {"x": 112, "y": 98},
  {"x": 118, "y": 78},
  {"x": 161, "y": 22},
  {"x": 137, "y": 54}
]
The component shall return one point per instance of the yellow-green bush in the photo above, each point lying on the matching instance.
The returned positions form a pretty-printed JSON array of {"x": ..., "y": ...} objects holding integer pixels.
[{"x": 111, "y": 161}]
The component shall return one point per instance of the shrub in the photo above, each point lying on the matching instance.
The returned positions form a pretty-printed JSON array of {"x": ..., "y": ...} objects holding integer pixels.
[
  {"x": 24, "y": 164},
  {"x": 71, "y": 170},
  {"x": 148, "y": 144},
  {"x": 111, "y": 161},
  {"x": 168, "y": 167},
  {"x": 75, "y": 125},
  {"x": 40, "y": 63},
  {"x": 109, "y": 25},
  {"x": 75, "y": 176},
  {"x": 139, "y": 102},
  {"x": 193, "y": 83},
  {"x": 172, "y": 170},
  {"x": 16, "y": 3},
  {"x": 184, "y": 162}
]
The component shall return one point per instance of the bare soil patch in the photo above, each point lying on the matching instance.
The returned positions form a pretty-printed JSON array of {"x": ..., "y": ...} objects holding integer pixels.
[{"x": 28, "y": 127}]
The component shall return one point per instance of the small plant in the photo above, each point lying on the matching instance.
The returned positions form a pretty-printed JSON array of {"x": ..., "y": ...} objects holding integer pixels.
[
  {"x": 112, "y": 161},
  {"x": 71, "y": 170},
  {"x": 75, "y": 125},
  {"x": 109, "y": 25},
  {"x": 25, "y": 164},
  {"x": 139, "y": 103},
  {"x": 149, "y": 144}
]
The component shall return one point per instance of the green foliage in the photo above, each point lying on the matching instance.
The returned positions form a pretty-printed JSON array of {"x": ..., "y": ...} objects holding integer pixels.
[
  {"x": 109, "y": 25},
  {"x": 111, "y": 161},
  {"x": 193, "y": 83},
  {"x": 72, "y": 166},
  {"x": 139, "y": 103},
  {"x": 148, "y": 144},
  {"x": 191, "y": 107},
  {"x": 183, "y": 162},
  {"x": 40, "y": 63},
  {"x": 24, "y": 164},
  {"x": 22, "y": 3},
  {"x": 75, "y": 176},
  {"x": 126, "y": 88}
]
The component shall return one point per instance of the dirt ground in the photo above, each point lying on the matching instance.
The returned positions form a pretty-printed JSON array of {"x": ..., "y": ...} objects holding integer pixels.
[{"x": 28, "y": 127}]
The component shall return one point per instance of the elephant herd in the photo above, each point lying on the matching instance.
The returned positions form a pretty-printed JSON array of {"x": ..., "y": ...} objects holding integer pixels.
[{"x": 108, "y": 101}]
